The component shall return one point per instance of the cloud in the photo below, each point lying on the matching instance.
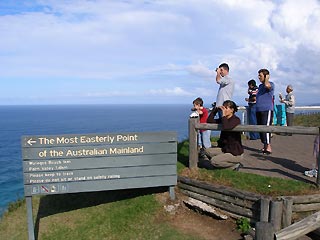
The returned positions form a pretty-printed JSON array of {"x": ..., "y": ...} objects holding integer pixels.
[
  {"x": 158, "y": 48},
  {"x": 201, "y": 70},
  {"x": 176, "y": 91},
  {"x": 299, "y": 21}
]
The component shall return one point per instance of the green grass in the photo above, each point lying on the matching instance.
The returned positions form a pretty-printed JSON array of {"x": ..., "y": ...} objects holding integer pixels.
[
  {"x": 256, "y": 183},
  {"x": 310, "y": 120},
  {"x": 113, "y": 215}
]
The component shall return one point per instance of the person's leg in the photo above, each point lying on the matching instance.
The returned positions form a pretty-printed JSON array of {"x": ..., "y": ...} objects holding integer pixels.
[
  {"x": 199, "y": 137},
  {"x": 253, "y": 121},
  {"x": 201, "y": 145},
  {"x": 206, "y": 142},
  {"x": 259, "y": 116},
  {"x": 213, "y": 151},
  {"x": 265, "y": 118},
  {"x": 225, "y": 160},
  {"x": 269, "y": 116},
  {"x": 289, "y": 117}
]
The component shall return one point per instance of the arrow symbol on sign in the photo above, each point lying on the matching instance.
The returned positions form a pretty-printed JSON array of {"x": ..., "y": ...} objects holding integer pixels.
[{"x": 30, "y": 141}]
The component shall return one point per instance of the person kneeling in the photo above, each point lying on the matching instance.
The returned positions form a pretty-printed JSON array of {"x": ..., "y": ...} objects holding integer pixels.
[{"x": 229, "y": 152}]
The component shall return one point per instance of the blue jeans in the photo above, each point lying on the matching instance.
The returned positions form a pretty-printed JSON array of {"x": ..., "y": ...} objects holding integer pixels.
[
  {"x": 251, "y": 110},
  {"x": 204, "y": 139}
]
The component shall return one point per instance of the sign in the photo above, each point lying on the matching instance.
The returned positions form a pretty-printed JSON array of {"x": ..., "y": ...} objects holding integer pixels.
[{"x": 79, "y": 163}]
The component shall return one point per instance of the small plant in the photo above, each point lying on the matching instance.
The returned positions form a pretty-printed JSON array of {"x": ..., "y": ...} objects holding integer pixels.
[
  {"x": 15, "y": 205},
  {"x": 243, "y": 225}
]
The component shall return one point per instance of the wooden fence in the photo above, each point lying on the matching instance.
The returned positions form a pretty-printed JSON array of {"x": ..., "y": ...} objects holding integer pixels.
[{"x": 273, "y": 217}]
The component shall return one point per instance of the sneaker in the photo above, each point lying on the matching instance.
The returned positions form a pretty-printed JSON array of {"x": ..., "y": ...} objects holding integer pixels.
[
  {"x": 202, "y": 153},
  {"x": 194, "y": 114},
  {"x": 311, "y": 173},
  {"x": 237, "y": 167}
]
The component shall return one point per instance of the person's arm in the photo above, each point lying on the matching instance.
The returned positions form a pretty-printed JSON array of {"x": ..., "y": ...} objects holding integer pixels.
[
  {"x": 290, "y": 102},
  {"x": 218, "y": 76},
  {"x": 266, "y": 83},
  {"x": 199, "y": 110},
  {"x": 211, "y": 118}
]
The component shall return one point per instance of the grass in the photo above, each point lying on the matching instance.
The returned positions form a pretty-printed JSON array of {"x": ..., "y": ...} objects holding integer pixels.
[
  {"x": 310, "y": 120},
  {"x": 112, "y": 215}
]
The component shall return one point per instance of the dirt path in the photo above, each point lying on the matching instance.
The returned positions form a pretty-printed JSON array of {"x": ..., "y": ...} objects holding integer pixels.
[{"x": 291, "y": 156}]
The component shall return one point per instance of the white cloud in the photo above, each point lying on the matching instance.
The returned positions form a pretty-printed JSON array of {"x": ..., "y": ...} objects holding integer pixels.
[
  {"x": 299, "y": 21},
  {"x": 201, "y": 70},
  {"x": 176, "y": 91}
]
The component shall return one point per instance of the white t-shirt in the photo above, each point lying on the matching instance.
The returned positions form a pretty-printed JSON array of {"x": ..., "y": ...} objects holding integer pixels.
[{"x": 225, "y": 91}]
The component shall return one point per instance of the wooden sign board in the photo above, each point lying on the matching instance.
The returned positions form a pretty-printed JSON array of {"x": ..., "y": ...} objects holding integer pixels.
[
  {"x": 60, "y": 164},
  {"x": 95, "y": 162}
]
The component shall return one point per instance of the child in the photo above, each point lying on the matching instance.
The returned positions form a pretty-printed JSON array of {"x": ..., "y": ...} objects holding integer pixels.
[
  {"x": 203, "y": 135},
  {"x": 252, "y": 91},
  {"x": 314, "y": 172}
]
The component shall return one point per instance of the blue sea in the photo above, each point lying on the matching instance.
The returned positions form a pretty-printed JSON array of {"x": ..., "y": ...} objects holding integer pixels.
[{"x": 16, "y": 121}]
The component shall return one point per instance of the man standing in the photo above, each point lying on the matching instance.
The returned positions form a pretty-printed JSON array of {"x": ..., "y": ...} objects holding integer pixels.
[
  {"x": 289, "y": 102},
  {"x": 226, "y": 87},
  {"x": 264, "y": 107}
]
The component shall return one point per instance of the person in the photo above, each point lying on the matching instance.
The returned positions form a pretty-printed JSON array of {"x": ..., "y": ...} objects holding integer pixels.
[
  {"x": 226, "y": 87},
  {"x": 203, "y": 135},
  {"x": 229, "y": 152},
  {"x": 251, "y": 110},
  {"x": 316, "y": 146},
  {"x": 289, "y": 102},
  {"x": 264, "y": 107}
]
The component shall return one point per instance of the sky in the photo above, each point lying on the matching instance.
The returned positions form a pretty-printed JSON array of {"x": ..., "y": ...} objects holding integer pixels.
[{"x": 154, "y": 51}]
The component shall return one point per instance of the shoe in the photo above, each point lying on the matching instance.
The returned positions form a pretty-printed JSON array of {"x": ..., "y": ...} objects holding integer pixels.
[
  {"x": 194, "y": 115},
  {"x": 311, "y": 173},
  {"x": 202, "y": 153},
  {"x": 266, "y": 152},
  {"x": 237, "y": 167}
]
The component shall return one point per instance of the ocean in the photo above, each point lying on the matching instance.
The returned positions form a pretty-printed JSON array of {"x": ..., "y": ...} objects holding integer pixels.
[{"x": 16, "y": 121}]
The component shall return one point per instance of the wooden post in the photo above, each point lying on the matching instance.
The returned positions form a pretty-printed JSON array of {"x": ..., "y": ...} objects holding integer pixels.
[
  {"x": 276, "y": 214},
  {"x": 264, "y": 209},
  {"x": 172, "y": 193},
  {"x": 30, "y": 218},
  {"x": 264, "y": 231},
  {"x": 193, "y": 151},
  {"x": 287, "y": 212}
]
